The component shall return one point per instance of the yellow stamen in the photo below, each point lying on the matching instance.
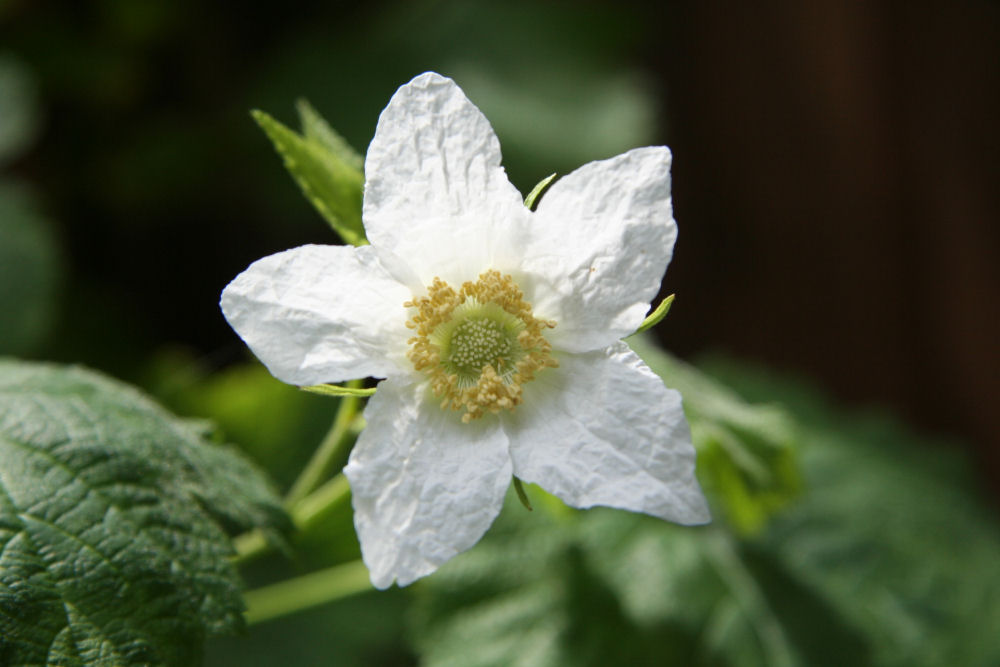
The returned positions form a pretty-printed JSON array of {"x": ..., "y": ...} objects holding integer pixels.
[{"x": 478, "y": 345}]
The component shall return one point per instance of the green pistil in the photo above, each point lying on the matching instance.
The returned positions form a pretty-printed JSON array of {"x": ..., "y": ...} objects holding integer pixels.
[{"x": 478, "y": 335}]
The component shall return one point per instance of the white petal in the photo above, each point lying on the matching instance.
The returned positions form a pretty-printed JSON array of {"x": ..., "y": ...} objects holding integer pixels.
[
  {"x": 601, "y": 239},
  {"x": 603, "y": 430},
  {"x": 425, "y": 486},
  {"x": 435, "y": 193},
  {"x": 319, "y": 314}
]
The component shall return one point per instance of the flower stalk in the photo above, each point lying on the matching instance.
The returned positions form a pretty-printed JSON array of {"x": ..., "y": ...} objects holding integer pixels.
[
  {"x": 305, "y": 592},
  {"x": 330, "y": 449}
]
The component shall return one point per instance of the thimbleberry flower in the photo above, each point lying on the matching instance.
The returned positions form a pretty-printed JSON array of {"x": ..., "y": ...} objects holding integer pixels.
[{"x": 497, "y": 329}]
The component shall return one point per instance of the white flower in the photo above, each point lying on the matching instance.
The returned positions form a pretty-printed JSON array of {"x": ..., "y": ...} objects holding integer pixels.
[{"x": 498, "y": 331}]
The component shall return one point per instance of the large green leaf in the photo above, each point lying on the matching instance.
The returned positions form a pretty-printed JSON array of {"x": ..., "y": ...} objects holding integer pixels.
[
  {"x": 114, "y": 524},
  {"x": 326, "y": 168}
]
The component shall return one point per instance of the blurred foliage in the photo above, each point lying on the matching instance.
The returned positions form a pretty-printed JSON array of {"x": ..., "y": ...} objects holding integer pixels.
[
  {"x": 887, "y": 558},
  {"x": 747, "y": 454},
  {"x": 20, "y": 113},
  {"x": 893, "y": 530},
  {"x": 364, "y": 631},
  {"x": 30, "y": 259},
  {"x": 30, "y": 272}
]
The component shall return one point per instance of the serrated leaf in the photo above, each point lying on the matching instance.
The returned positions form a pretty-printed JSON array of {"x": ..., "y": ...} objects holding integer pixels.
[
  {"x": 113, "y": 524},
  {"x": 329, "y": 178},
  {"x": 747, "y": 454}
]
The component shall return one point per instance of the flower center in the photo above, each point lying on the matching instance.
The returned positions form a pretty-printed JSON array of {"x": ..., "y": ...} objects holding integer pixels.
[{"x": 478, "y": 345}]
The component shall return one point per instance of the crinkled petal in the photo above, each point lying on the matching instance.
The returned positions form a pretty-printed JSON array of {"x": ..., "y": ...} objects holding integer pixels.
[
  {"x": 435, "y": 193},
  {"x": 425, "y": 486},
  {"x": 602, "y": 429},
  {"x": 319, "y": 314},
  {"x": 599, "y": 243}
]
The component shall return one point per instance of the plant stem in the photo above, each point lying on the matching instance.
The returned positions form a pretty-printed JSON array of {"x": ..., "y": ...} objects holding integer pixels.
[
  {"x": 305, "y": 592},
  {"x": 249, "y": 546},
  {"x": 305, "y": 513},
  {"x": 317, "y": 504},
  {"x": 328, "y": 451}
]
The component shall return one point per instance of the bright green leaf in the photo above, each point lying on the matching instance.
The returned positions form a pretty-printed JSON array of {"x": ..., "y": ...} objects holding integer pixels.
[
  {"x": 115, "y": 519},
  {"x": 316, "y": 129},
  {"x": 330, "y": 179}
]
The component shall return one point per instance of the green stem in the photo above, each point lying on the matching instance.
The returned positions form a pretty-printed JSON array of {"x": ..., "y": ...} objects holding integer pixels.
[
  {"x": 521, "y": 494},
  {"x": 321, "y": 502},
  {"x": 250, "y": 546},
  {"x": 328, "y": 451},
  {"x": 305, "y": 592},
  {"x": 305, "y": 514}
]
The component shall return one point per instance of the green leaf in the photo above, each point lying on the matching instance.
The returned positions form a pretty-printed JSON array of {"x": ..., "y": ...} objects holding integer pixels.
[
  {"x": 114, "y": 524},
  {"x": 315, "y": 129},
  {"x": 747, "y": 454},
  {"x": 325, "y": 168},
  {"x": 29, "y": 272}
]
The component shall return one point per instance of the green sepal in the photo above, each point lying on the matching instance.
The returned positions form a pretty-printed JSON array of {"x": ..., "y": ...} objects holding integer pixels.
[
  {"x": 325, "y": 167},
  {"x": 531, "y": 201},
  {"x": 657, "y": 315},
  {"x": 337, "y": 390},
  {"x": 521, "y": 494}
]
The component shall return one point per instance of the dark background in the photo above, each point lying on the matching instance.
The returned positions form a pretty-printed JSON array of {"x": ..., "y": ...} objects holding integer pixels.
[{"x": 835, "y": 172}]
